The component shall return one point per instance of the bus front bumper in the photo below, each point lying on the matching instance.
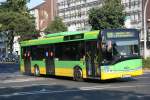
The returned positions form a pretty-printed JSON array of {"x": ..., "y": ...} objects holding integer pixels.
[{"x": 121, "y": 74}]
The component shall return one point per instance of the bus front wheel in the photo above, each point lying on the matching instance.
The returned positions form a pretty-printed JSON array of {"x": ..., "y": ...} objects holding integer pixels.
[
  {"x": 78, "y": 75},
  {"x": 36, "y": 70}
]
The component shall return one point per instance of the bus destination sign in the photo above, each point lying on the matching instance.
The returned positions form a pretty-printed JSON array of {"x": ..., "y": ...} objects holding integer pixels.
[{"x": 120, "y": 34}]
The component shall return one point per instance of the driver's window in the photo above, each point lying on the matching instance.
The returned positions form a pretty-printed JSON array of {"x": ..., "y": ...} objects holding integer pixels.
[{"x": 107, "y": 50}]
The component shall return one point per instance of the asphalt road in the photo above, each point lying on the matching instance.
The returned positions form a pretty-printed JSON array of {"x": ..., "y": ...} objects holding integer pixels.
[{"x": 15, "y": 86}]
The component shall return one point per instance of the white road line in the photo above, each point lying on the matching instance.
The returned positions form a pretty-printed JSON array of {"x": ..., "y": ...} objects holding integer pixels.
[
  {"x": 63, "y": 91},
  {"x": 146, "y": 73},
  {"x": 29, "y": 85},
  {"x": 22, "y": 80},
  {"x": 95, "y": 87},
  {"x": 141, "y": 77},
  {"x": 141, "y": 84},
  {"x": 101, "y": 88}
]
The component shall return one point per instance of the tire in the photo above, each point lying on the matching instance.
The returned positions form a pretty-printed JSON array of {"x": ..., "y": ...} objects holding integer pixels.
[
  {"x": 36, "y": 70},
  {"x": 78, "y": 75}
]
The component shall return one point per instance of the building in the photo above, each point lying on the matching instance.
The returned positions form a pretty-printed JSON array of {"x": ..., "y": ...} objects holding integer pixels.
[
  {"x": 133, "y": 10},
  {"x": 148, "y": 24},
  {"x": 44, "y": 14},
  {"x": 4, "y": 50},
  {"x": 16, "y": 46},
  {"x": 75, "y": 12}
]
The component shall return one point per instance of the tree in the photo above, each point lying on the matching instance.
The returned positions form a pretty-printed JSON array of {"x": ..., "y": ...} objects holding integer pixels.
[
  {"x": 16, "y": 5},
  {"x": 56, "y": 26},
  {"x": 13, "y": 24},
  {"x": 15, "y": 20},
  {"x": 109, "y": 16}
]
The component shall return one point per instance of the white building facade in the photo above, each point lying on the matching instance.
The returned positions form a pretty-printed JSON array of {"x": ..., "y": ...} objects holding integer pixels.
[
  {"x": 75, "y": 12},
  {"x": 134, "y": 11},
  {"x": 16, "y": 45}
]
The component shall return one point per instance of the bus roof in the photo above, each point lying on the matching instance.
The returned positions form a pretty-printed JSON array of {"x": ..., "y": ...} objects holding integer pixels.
[
  {"x": 65, "y": 33},
  {"x": 59, "y": 37}
]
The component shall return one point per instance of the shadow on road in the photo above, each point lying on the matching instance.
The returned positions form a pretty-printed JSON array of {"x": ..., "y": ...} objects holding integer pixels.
[
  {"x": 59, "y": 92},
  {"x": 9, "y": 68},
  {"x": 121, "y": 80},
  {"x": 7, "y": 71},
  {"x": 13, "y": 69}
]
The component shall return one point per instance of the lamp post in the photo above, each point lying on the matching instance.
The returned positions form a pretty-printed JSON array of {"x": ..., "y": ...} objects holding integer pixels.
[{"x": 145, "y": 30}]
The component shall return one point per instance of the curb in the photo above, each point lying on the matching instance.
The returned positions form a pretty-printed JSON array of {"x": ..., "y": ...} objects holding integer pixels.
[{"x": 146, "y": 70}]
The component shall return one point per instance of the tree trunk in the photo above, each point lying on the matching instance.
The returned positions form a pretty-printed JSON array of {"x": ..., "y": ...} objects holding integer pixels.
[{"x": 10, "y": 41}]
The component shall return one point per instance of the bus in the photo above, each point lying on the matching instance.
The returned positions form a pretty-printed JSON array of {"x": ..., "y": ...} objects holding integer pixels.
[{"x": 101, "y": 54}]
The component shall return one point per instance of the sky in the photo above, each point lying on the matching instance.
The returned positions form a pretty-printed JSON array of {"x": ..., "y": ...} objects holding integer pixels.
[{"x": 32, "y": 3}]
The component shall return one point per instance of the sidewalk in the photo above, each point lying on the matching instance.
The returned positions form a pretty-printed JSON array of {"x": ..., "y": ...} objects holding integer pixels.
[{"x": 146, "y": 70}]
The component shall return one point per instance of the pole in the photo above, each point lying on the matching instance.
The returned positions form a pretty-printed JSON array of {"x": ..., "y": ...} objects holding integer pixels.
[{"x": 145, "y": 30}]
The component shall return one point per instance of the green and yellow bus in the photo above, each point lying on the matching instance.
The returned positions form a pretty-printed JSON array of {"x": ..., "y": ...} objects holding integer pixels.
[{"x": 105, "y": 54}]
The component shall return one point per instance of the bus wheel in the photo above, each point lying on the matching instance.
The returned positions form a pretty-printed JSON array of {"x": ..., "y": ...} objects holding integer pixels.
[
  {"x": 36, "y": 70},
  {"x": 78, "y": 75}
]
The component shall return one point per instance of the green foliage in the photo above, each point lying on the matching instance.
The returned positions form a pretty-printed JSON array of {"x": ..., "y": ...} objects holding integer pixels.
[
  {"x": 109, "y": 16},
  {"x": 16, "y": 5},
  {"x": 15, "y": 20},
  {"x": 56, "y": 26},
  {"x": 146, "y": 63}
]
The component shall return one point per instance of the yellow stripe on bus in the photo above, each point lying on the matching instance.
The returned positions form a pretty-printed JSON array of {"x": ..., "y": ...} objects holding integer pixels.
[
  {"x": 107, "y": 75},
  {"x": 67, "y": 72},
  {"x": 22, "y": 69},
  {"x": 42, "y": 70},
  {"x": 58, "y": 71}
]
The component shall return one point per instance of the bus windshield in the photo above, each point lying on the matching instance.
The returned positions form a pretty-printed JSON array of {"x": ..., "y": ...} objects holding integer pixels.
[
  {"x": 120, "y": 44},
  {"x": 125, "y": 49}
]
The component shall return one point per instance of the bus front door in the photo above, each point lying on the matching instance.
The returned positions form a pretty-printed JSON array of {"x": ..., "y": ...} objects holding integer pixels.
[
  {"x": 50, "y": 66},
  {"x": 90, "y": 56},
  {"x": 27, "y": 62}
]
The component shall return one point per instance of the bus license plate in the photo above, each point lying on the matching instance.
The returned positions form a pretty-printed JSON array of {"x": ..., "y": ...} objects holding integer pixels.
[{"x": 126, "y": 76}]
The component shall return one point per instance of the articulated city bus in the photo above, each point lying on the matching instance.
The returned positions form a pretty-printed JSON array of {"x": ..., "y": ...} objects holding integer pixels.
[{"x": 105, "y": 54}]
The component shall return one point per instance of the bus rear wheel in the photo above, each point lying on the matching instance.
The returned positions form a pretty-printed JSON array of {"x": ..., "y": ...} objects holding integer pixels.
[
  {"x": 36, "y": 70},
  {"x": 78, "y": 75}
]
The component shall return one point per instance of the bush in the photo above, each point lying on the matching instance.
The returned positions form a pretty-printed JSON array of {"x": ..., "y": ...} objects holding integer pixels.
[{"x": 146, "y": 63}]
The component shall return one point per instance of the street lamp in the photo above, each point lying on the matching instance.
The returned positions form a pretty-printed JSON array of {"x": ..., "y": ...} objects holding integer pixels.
[{"x": 145, "y": 30}]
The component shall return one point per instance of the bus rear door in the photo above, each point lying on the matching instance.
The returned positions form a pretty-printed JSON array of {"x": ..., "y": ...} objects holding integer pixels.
[
  {"x": 27, "y": 60},
  {"x": 49, "y": 60}
]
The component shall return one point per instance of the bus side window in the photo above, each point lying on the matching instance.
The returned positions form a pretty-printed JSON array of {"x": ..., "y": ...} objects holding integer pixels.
[
  {"x": 81, "y": 49},
  {"x": 72, "y": 51},
  {"x": 37, "y": 53}
]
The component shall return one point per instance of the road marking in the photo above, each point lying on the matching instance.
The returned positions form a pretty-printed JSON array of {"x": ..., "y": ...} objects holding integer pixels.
[
  {"x": 141, "y": 77},
  {"x": 145, "y": 73},
  {"x": 95, "y": 87},
  {"x": 63, "y": 91},
  {"x": 29, "y": 85},
  {"x": 101, "y": 88},
  {"x": 22, "y": 80}
]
